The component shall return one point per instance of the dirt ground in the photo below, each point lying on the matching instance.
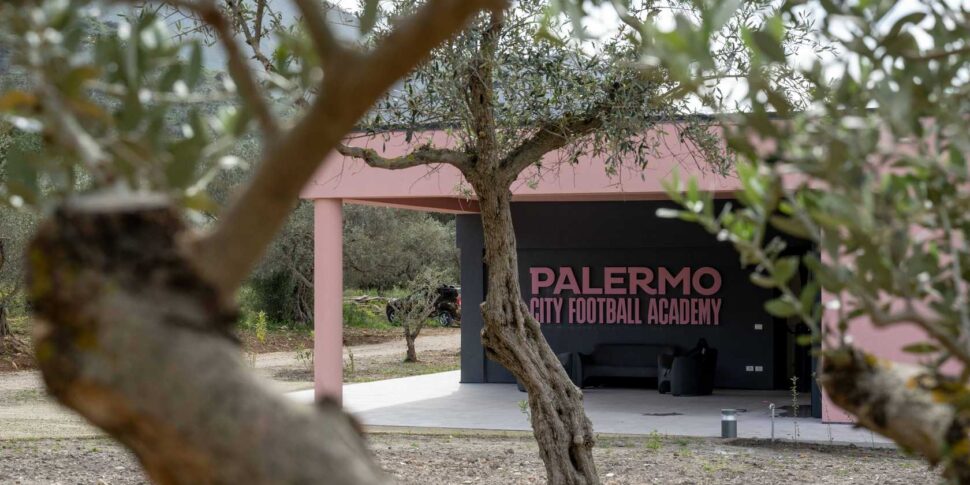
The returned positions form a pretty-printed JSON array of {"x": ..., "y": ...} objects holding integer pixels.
[
  {"x": 15, "y": 354},
  {"x": 42, "y": 443},
  {"x": 501, "y": 460},
  {"x": 27, "y": 413}
]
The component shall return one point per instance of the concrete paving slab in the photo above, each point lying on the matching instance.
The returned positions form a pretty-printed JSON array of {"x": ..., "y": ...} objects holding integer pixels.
[{"x": 441, "y": 401}]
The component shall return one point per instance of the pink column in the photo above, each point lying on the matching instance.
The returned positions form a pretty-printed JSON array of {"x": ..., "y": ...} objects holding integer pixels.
[{"x": 328, "y": 294}]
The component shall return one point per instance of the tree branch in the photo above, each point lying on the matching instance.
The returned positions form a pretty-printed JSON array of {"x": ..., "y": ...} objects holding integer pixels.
[
  {"x": 554, "y": 135},
  {"x": 423, "y": 155},
  {"x": 242, "y": 76},
  {"x": 480, "y": 97},
  {"x": 323, "y": 40},
  {"x": 905, "y": 403},
  {"x": 258, "y": 21},
  {"x": 226, "y": 255},
  {"x": 252, "y": 40}
]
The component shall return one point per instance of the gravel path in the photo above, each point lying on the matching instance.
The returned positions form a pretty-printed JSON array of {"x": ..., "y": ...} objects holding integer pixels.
[
  {"x": 27, "y": 413},
  {"x": 439, "y": 339}
]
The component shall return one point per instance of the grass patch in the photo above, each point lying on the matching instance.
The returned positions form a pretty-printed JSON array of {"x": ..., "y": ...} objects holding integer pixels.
[
  {"x": 365, "y": 316},
  {"x": 391, "y": 368}
]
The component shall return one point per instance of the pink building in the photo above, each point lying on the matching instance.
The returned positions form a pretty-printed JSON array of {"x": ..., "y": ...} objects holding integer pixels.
[{"x": 597, "y": 267}]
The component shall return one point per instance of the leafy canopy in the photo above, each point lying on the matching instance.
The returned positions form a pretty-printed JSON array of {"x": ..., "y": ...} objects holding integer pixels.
[{"x": 543, "y": 78}]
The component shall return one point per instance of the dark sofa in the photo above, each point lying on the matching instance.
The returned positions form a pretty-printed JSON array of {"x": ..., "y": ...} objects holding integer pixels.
[
  {"x": 621, "y": 360},
  {"x": 692, "y": 374}
]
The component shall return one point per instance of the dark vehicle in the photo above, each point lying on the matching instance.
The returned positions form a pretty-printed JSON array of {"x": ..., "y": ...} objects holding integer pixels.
[{"x": 447, "y": 305}]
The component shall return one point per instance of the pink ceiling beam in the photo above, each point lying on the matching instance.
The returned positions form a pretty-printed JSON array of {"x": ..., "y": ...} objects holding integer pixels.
[{"x": 586, "y": 180}]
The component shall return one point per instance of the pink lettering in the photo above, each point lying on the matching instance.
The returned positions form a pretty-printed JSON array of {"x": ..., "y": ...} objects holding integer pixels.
[
  {"x": 541, "y": 278},
  {"x": 566, "y": 281},
  {"x": 641, "y": 278},
  {"x": 586, "y": 288},
  {"x": 613, "y": 281},
  {"x": 682, "y": 278},
  {"x": 715, "y": 281}
]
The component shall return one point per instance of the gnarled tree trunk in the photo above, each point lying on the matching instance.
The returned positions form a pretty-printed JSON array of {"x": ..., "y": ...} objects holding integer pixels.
[
  {"x": 131, "y": 337},
  {"x": 409, "y": 338},
  {"x": 905, "y": 403},
  {"x": 4, "y": 325},
  {"x": 514, "y": 339}
]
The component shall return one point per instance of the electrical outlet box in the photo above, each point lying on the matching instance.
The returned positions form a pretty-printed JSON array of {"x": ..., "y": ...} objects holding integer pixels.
[
  {"x": 759, "y": 326},
  {"x": 749, "y": 368}
]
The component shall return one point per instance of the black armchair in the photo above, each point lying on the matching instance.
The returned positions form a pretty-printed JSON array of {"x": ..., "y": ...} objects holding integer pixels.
[
  {"x": 665, "y": 364},
  {"x": 692, "y": 374}
]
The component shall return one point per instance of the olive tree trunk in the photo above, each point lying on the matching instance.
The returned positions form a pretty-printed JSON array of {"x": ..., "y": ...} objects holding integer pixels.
[
  {"x": 130, "y": 337},
  {"x": 409, "y": 337},
  {"x": 514, "y": 339},
  {"x": 4, "y": 325},
  {"x": 905, "y": 403}
]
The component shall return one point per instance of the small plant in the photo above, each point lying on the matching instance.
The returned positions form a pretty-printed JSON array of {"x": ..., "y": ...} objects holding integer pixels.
[
  {"x": 350, "y": 368},
  {"x": 305, "y": 358},
  {"x": 653, "y": 442},
  {"x": 794, "y": 405},
  {"x": 524, "y": 409},
  {"x": 260, "y": 327}
]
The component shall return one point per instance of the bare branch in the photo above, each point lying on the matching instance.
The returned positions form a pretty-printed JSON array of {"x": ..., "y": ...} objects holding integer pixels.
[
  {"x": 554, "y": 135},
  {"x": 423, "y": 155},
  {"x": 258, "y": 21},
  {"x": 323, "y": 40},
  {"x": 481, "y": 91},
  {"x": 253, "y": 36},
  {"x": 239, "y": 69},
  {"x": 227, "y": 254},
  {"x": 249, "y": 90}
]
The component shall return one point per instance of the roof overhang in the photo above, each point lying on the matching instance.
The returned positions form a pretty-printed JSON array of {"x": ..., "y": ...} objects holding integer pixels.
[{"x": 443, "y": 188}]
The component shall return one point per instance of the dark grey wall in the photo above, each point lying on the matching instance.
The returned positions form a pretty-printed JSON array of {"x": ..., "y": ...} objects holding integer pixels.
[{"x": 598, "y": 234}]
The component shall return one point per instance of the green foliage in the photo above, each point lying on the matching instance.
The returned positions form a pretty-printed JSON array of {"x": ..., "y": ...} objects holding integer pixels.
[
  {"x": 124, "y": 106},
  {"x": 874, "y": 173},
  {"x": 365, "y": 316},
  {"x": 260, "y": 327},
  {"x": 543, "y": 81},
  {"x": 387, "y": 248},
  {"x": 275, "y": 293},
  {"x": 15, "y": 227}
]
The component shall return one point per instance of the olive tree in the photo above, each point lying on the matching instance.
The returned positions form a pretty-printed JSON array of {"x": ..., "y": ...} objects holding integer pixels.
[
  {"x": 875, "y": 173},
  {"x": 413, "y": 311},
  {"x": 518, "y": 97},
  {"x": 386, "y": 248},
  {"x": 15, "y": 227},
  {"x": 133, "y": 306}
]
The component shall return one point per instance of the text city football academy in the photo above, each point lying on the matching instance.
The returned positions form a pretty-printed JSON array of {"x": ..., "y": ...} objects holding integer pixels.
[{"x": 630, "y": 295}]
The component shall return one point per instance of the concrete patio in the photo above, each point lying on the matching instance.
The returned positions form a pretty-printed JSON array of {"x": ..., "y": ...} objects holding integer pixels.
[{"x": 440, "y": 401}]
